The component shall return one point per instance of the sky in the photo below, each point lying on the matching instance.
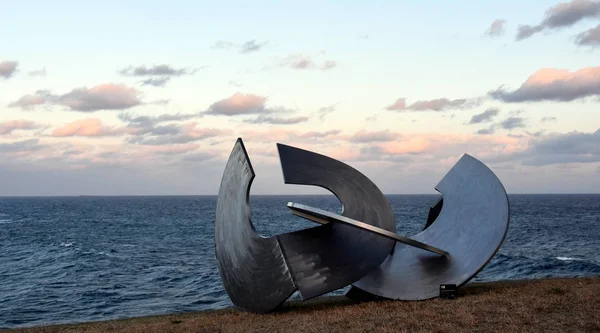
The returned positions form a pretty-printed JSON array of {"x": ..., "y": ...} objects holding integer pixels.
[{"x": 148, "y": 97}]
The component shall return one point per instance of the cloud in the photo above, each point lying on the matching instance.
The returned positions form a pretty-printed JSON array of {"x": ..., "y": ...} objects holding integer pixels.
[
  {"x": 145, "y": 121},
  {"x": 378, "y": 136},
  {"x": 303, "y": 62},
  {"x": 187, "y": 133},
  {"x": 102, "y": 97},
  {"x": 156, "y": 81},
  {"x": 324, "y": 111},
  {"x": 411, "y": 161},
  {"x": 421, "y": 149},
  {"x": 170, "y": 129},
  {"x": 562, "y": 148},
  {"x": 285, "y": 135},
  {"x": 8, "y": 68},
  {"x": 244, "y": 48},
  {"x": 142, "y": 125},
  {"x": 547, "y": 119},
  {"x": 145, "y": 130},
  {"x": 568, "y": 13},
  {"x": 399, "y": 104},
  {"x": 29, "y": 101},
  {"x": 91, "y": 127},
  {"x": 37, "y": 73},
  {"x": 424, "y": 149},
  {"x": 241, "y": 104},
  {"x": 485, "y": 116},
  {"x": 314, "y": 134},
  {"x": 496, "y": 29},
  {"x": 7, "y": 127},
  {"x": 298, "y": 62},
  {"x": 276, "y": 120},
  {"x": 199, "y": 156},
  {"x": 535, "y": 134},
  {"x": 590, "y": 37},
  {"x": 486, "y": 131},
  {"x": 251, "y": 46},
  {"x": 551, "y": 84},
  {"x": 511, "y": 123},
  {"x": 156, "y": 70},
  {"x": 526, "y": 31},
  {"x": 439, "y": 104},
  {"x": 404, "y": 145},
  {"x": 159, "y": 75},
  {"x": 570, "y": 143},
  {"x": 175, "y": 149},
  {"x": 564, "y": 14},
  {"x": 21, "y": 146}
]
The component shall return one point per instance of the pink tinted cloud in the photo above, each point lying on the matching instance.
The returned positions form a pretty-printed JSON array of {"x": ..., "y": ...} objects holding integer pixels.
[
  {"x": 29, "y": 101},
  {"x": 438, "y": 104},
  {"x": 239, "y": 104},
  {"x": 7, "y": 127},
  {"x": 428, "y": 147},
  {"x": 8, "y": 68},
  {"x": 108, "y": 96},
  {"x": 399, "y": 104},
  {"x": 551, "y": 84},
  {"x": 102, "y": 97},
  {"x": 91, "y": 127}
]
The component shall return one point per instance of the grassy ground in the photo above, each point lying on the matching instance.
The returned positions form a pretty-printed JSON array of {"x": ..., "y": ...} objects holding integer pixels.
[{"x": 550, "y": 305}]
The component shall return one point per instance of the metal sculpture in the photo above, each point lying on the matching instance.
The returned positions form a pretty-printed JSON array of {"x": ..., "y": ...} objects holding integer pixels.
[
  {"x": 260, "y": 273},
  {"x": 359, "y": 247}
]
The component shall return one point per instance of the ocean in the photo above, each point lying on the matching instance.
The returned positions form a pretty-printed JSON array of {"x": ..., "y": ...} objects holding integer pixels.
[{"x": 77, "y": 259}]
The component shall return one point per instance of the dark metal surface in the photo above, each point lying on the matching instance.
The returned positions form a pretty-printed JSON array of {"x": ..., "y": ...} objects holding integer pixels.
[
  {"x": 329, "y": 257},
  {"x": 471, "y": 226},
  {"x": 252, "y": 268},
  {"x": 325, "y": 217}
]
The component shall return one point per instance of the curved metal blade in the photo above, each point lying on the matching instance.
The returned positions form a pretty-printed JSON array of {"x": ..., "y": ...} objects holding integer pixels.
[
  {"x": 471, "y": 226},
  {"x": 329, "y": 257},
  {"x": 252, "y": 268}
]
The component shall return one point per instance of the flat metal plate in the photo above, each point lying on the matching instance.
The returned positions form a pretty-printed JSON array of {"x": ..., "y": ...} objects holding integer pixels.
[
  {"x": 330, "y": 257},
  {"x": 325, "y": 217},
  {"x": 252, "y": 268},
  {"x": 471, "y": 226}
]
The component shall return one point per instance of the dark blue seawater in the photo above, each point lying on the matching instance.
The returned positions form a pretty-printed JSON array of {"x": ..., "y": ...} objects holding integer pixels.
[{"x": 75, "y": 259}]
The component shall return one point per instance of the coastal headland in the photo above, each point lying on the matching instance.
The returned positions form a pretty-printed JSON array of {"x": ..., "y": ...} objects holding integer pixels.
[{"x": 544, "y": 305}]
